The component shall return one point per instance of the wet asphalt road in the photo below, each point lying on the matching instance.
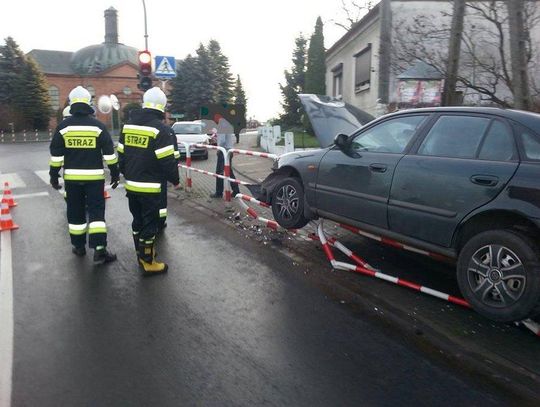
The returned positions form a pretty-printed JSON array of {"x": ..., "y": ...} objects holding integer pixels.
[{"x": 229, "y": 325}]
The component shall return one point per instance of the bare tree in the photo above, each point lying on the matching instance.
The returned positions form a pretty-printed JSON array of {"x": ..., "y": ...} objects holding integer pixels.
[
  {"x": 354, "y": 10},
  {"x": 485, "y": 66}
]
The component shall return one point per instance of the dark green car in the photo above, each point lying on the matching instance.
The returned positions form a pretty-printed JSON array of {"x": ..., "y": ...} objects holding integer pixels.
[{"x": 460, "y": 182}]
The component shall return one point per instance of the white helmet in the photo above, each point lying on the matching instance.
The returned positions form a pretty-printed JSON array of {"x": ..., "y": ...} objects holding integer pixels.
[
  {"x": 155, "y": 99},
  {"x": 66, "y": 112},
  {"x": 79, "y": 95}
]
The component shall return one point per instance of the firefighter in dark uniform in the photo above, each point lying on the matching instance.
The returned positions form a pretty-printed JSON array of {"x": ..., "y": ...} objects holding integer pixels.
[
  {"x": 80, "y": 144},
  {"x": 146, "y": 154},
  {"x": 163, "y": 196}
]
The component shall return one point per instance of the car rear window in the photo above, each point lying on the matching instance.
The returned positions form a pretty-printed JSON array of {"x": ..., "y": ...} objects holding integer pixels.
[
  {"x": 498, "y": 144},
  {"x": 455, "y": 136},
  {"x": 531, "y": 144},
  {"x": 187, "y": 128}
]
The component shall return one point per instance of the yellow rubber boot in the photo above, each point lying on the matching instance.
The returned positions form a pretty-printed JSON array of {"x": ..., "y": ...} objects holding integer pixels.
[{"x": 148, "y": 261}]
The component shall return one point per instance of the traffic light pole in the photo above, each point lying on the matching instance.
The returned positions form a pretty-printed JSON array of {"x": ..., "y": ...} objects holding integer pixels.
[{"x": 145, "y": 27}]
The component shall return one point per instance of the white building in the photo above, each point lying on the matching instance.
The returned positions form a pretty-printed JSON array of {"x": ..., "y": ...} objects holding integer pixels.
[{"x": 372, "y": 66}]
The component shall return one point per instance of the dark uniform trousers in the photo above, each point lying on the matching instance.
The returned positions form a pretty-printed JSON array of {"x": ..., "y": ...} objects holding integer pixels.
[
  {"x": 220, "y": 168},
  {"x": 82, "y": 198},
  {"x": 145, "y": 211}
]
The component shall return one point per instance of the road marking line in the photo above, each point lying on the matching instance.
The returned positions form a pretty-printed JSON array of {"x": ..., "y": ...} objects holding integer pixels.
[
  {"x": 33, "y": 195},
  {"x": 6, "y": 318},
  {"x": 15, "y": 181},
  {"x": 45, "y": 177}
]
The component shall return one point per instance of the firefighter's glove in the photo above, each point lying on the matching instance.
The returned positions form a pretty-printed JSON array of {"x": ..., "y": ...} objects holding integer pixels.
[
  {"x": 55, "y": 184},
  {"x": 115, "y": 180}
]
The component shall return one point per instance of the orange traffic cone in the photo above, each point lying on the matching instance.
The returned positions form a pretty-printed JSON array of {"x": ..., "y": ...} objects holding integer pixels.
[
  {"x": 6, "y": 222},
  {"x": 7, "y": 198}
]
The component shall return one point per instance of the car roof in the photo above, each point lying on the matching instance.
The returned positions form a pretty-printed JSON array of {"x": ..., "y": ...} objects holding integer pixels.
[{"x": 529, "y": 119}]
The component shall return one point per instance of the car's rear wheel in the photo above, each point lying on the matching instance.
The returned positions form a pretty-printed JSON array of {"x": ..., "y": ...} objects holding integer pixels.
[
  {"x": 288, "y": 204},
  {"x": 498, "y": 273}
]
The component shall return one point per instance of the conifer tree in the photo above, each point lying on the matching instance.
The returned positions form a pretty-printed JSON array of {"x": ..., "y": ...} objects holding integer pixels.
[
  {"x": 201, "y": 80},
  {"x": 184, "y": 87},
  {"x": 23, "y": 90},
  {"x": 294, "y": 84},
  {"x": 316, "y": 68},
  {"x": 223, "y": 92},
  {"x": 239, "y": 93},
  {"x": 34, "y": 100},
  {"x": 206, "y": 80}
]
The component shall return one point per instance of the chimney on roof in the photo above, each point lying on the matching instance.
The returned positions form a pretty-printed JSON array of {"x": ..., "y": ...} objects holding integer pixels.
[{"x": 111, "y": 26}]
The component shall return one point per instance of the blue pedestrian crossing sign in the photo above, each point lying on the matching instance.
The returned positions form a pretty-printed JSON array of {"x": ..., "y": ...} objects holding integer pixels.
[{"x": 165, "y": 67}]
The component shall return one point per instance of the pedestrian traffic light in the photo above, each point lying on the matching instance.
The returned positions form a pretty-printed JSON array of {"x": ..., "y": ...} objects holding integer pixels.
[{"x": 145, "y": 70}]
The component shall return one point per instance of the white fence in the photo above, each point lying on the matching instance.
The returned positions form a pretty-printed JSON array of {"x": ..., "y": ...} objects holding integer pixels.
[{"x": 269, "y": 138}]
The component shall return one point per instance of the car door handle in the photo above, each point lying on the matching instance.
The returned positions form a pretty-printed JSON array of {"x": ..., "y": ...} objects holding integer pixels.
[
  {"x": 375, "y": 167},
  {"x": 485, "y": 180}
]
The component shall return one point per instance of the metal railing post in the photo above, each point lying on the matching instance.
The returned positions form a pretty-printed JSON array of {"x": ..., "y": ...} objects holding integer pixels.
[{"x": 189, "y": 184}]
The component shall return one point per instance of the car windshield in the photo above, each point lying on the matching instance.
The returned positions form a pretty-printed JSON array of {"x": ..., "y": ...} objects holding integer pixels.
[{"x": 187, "y": 128}]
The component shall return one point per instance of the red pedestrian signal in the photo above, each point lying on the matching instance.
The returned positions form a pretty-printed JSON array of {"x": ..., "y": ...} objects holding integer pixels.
[{"x": 145, "y": 70}]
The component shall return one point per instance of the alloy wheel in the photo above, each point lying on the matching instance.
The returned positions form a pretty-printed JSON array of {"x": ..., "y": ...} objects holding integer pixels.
[{"x": 287, "y": 202}]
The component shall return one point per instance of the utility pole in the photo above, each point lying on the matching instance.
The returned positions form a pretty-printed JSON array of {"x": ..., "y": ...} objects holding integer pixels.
[
  {"x": 454, "y": 50},
  {"x": 518, "y": 54}
]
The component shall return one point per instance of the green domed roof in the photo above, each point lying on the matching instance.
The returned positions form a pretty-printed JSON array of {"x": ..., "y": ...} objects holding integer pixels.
[{"x": 99, "y": 57}]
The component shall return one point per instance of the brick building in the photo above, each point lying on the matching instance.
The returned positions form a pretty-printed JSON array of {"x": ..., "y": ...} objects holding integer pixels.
[{"x": 104, "y": 69}]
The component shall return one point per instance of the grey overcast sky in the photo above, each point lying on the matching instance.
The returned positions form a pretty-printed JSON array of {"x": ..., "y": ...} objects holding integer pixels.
[{"x": 257, "y": 35}]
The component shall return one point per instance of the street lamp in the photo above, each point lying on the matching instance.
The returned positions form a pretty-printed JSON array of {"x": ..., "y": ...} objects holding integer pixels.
[{"x": 145, "y": 29}]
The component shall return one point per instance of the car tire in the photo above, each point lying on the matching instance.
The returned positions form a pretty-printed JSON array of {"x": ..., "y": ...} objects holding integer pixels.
[
  {"x": 498, "y": 272},
  {"x": 288, "y": 204}
]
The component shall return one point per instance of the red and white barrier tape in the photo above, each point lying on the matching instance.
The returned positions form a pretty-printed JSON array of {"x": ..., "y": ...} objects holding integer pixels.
[
  {"x": 227, "y": 154},
  {"x": 394, "y": 243},
  {"x": 189, "y": 182},
  {"x": 343, "y": 249},
  {"x": 253, "y": 153},
  {"x": 248, "y": 198},
  {"x": 214, "y": 175},
  {"x": 272, "y": 224},
  {"x": 363, "y": 267},
  {"x": 386, "y": 277},
  {"x": 209, "y": 146}
]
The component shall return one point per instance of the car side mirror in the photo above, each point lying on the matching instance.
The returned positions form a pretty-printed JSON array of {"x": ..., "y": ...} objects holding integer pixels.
[{"x": 341, "y": 141}]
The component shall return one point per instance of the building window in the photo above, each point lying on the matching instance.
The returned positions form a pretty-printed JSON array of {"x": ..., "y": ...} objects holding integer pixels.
[
  {"x": 54, "y": 96},
  {"x": 337, "y": 82},
  {"x": 127, "y": 90},
  {"x": 362, "y": 76}
]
